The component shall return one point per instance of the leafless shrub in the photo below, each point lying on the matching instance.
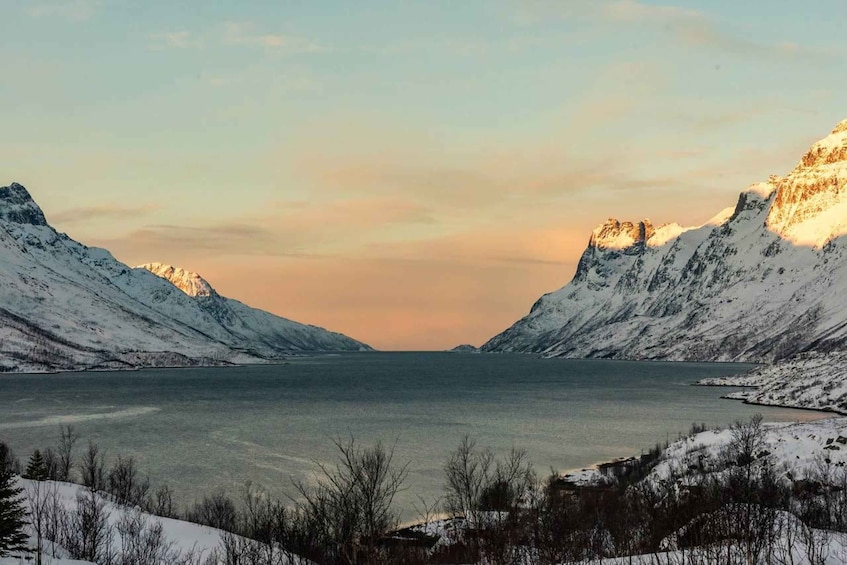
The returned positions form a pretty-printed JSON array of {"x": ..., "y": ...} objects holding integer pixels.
[
  {"x": 143, "y": 541},
  {"x": 125, "y": 484},
  {"x": 87, "y": 534},
  {"x": 344, "y": 518},
  {"x": 217, "y": 511}
]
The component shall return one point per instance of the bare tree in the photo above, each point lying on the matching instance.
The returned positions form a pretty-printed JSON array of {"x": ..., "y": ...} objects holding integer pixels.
[
  {"x": 162, "y": 504},
  {"x": 93, "y": 468},
  {"x": 491, "y": 494},
  {"x": 65, "y": 456},
  {"x": 352, "y": 507},
  {"x": 126, "y": 485},
  {"x": 217, "y": 511},
  {"x": 468, "y": 472},
  {"x": 40, "y": 498}
]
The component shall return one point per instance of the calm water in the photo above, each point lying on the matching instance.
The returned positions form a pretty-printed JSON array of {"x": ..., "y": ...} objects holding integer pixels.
[{"x": 201, "y": 429}]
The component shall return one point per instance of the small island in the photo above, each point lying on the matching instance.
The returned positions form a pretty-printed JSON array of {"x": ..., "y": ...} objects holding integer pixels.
[{"x": 465, "y": 348}]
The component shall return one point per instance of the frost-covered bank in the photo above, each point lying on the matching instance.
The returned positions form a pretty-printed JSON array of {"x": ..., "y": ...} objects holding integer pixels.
[{"x": 815, "y": 381}]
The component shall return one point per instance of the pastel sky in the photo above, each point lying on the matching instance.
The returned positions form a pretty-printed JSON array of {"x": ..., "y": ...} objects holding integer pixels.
[{"x": 412, "y": 173}]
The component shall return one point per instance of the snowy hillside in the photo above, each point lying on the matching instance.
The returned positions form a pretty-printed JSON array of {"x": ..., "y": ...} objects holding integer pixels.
[
  {"x": 249, "y": 328},
  {"x": 762, "y": 281},
  {"x": 182, "y": 543},
  {"x": 65, "y": 306}
]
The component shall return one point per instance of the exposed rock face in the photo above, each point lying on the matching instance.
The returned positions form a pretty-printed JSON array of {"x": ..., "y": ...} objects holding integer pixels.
[
  {"x": 624, "y": 236},
  {"x": 814, "y": 190},
  {"x": 190, "y": 283},
  {"x": 760, "y": 283},
  {"x": 65, "y": 306}
]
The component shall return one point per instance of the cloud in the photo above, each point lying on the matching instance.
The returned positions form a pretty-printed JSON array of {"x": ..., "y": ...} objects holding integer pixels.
[
  {"x": 633, "y": 11},
  {"x": 247, "y": 34},
  {"x": 224, "y": 238},
  {"x": 72, "y": 10},
  {"x": 691, "y": 28},
  {"x": 361, "y": 213},
  {"x": 244, "y": 34},
  {"x": 98, "y": 213},
  {"x": 284, "y": 229},
  {"x": 176, "y": 40}
]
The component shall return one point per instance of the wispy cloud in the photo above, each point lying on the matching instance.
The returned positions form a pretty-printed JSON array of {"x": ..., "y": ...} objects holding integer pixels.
[
  {"x": 72, "y": 10},
  {"x": 99, "y": 213},
  {"x": 692, "y": 28},
  {"x": 240, "y": 34},
  {"x": 634, "y": 11},
  {"x": 222, "y": 238},
  {"x": 176, "y": 40},
  {"x": 283, "y": 229},
  {"x": 248, "y": 34}
]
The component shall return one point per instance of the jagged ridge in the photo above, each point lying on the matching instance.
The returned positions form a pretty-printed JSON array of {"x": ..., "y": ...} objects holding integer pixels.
[{"x": 762, "y": 281}]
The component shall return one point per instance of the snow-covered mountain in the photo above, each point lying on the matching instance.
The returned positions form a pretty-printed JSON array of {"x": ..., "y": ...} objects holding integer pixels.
[
  {"x": 763, "y": 280},
  {"x": 65, "y": 306},
  {"x": 250, "y": 328}
]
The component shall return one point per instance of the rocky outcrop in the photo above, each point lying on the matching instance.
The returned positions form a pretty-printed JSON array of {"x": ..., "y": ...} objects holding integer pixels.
[{"x": 188, "y": 282}]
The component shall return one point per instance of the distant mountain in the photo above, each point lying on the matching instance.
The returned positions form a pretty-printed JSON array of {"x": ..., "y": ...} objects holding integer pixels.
[
  {"x": 248, "y": 327},
  {"x": 762, "y": 281},
  {"x": 465, "y": 348},
  {"x": 65, "y": 306}
]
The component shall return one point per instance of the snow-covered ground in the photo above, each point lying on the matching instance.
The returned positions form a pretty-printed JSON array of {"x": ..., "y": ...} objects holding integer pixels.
[{"x": 796, "y": 449}]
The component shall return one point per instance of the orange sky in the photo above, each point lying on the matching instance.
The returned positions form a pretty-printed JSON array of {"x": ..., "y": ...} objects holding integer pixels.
[{"x": 412, "y": 174}]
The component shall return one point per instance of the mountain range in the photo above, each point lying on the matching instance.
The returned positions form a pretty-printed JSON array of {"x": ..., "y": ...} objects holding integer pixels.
[
  {"x": 66, "y": 306},
  {"x": 764, "y": 280}
]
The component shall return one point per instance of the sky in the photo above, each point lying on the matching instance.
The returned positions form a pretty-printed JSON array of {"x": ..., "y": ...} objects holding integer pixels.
[{"x": 414, "y": 174}]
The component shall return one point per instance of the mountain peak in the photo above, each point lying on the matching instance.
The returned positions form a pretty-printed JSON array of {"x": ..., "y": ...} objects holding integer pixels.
[
  {"x": 188, "y": 282},
  {"x": 828, "y": 152},
  {"x": 840, "y": 128},
  {"x": 619, "y": 236},
  {"x": 811, "y": 201},
  {"x": 18, "y": 207}
]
